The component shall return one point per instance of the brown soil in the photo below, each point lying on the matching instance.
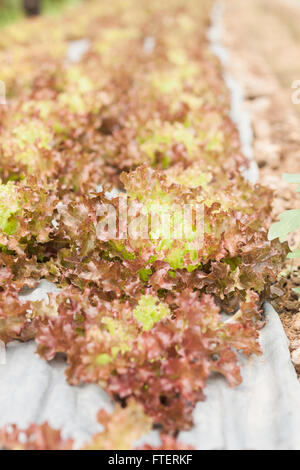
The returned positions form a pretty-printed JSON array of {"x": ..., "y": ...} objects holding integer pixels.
[{"x": 263, "y": 37}]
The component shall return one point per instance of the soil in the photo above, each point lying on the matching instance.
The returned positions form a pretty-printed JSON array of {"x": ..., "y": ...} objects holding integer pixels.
[{"x": 264, "y": 46}]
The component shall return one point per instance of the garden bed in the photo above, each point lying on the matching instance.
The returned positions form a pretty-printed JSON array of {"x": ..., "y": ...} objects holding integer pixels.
[{"x": 146, "y": 319}]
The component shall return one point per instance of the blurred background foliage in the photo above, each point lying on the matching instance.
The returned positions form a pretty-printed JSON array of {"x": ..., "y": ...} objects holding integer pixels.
[{"x": 11, "y": 10}]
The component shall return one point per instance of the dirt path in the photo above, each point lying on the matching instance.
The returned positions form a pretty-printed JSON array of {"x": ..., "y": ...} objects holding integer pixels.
[{"x": 265, "y": 58}]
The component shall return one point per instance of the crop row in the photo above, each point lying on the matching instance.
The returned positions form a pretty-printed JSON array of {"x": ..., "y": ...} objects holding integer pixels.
[{"x": 145, "y": 111}]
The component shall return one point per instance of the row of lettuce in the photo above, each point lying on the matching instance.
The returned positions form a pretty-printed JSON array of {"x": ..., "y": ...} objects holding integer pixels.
[{"x": 146, "y": 111}]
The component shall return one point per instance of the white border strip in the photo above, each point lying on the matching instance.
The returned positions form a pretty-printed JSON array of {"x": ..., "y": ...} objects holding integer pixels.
[{"x": 239, "y": 114}]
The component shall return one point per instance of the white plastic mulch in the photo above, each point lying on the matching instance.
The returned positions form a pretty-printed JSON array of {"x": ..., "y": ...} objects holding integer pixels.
[{"x": 262, "y": 413}]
